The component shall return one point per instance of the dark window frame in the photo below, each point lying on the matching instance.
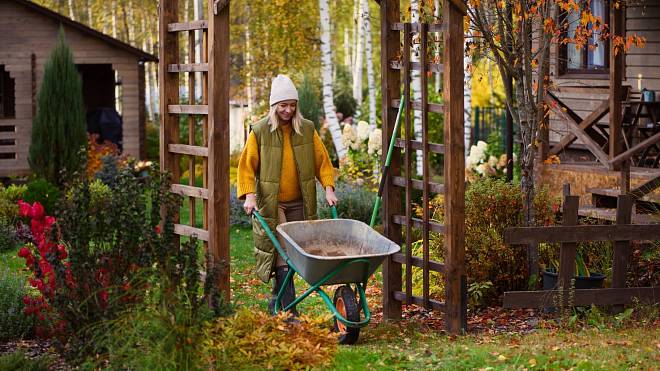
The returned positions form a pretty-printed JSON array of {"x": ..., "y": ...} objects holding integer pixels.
[{"x": 584, "y": 70}]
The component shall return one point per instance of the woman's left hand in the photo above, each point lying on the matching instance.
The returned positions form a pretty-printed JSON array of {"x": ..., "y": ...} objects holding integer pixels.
[{"x": 330, "y": 196}]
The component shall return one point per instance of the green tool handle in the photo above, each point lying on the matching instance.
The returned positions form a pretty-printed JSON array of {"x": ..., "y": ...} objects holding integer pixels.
[{"x": 386, "y": 167}]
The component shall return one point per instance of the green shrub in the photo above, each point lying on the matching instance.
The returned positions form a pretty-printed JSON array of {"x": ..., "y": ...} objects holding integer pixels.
[
  {"x": 8, "y": 239},
  {"x": 44, "y": 192},
  {"x": 237, "y": 216},
  {"x": 355, "y": 202},
  {"x": 309, "y": 100},
  {"x": 255, "y": 340},
  {"x": 19, "y": 361},
  {"x": 13, "y": 323},
  {"x": 9, "y": 202},
  {"x": 58, "y": 129}
]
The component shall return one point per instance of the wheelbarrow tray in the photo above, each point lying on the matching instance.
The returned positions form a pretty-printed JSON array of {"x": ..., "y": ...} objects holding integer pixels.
[{"x": 317, "y": 247}]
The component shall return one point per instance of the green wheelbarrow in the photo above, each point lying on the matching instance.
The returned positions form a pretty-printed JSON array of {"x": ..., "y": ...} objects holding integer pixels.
[{"x": 333, "y": 252}]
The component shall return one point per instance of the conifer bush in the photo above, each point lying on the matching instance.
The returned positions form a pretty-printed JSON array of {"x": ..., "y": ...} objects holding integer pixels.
[{"x": 58, "y": 130}]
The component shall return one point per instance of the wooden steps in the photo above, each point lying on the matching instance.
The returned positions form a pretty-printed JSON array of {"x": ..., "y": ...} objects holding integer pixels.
[
  {"x": 609, "y": 214},
  {"x": 613, "y": 193}
]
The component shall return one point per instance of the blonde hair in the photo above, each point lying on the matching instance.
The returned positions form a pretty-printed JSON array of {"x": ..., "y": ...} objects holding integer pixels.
[{"x": 274, "y": 120}]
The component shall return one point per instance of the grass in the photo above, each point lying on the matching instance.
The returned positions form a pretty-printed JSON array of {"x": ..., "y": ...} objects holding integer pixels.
[
  {"x": 10, "y": 259},
  {"x": 406, "y": 345}
]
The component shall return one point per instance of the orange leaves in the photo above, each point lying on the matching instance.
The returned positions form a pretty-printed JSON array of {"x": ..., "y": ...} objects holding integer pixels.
[{"x": 620, "y": 43}]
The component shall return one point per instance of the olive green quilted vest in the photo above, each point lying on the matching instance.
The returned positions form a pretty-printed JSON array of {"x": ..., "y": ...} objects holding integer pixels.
[{"x": 268, "y": 185}]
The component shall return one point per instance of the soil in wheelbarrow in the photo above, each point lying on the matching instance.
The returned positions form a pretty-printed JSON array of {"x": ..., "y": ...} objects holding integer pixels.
[{"x": 333, "y": 248}]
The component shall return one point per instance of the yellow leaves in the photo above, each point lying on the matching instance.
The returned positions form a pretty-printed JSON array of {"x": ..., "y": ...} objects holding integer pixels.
[
  {"x": 552, "y": 160},
  {"x": 532, "y": 362}
]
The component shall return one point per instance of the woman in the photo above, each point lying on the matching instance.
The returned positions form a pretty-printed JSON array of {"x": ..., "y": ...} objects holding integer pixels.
[{"x": 277, "y": 175}]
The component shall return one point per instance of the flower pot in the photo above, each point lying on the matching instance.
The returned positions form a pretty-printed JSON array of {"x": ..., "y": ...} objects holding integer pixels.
[{"x": 595, "y": 281}]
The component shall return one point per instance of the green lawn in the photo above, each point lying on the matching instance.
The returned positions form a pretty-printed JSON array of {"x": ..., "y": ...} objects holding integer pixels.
[{"x": 409, "y": 345}]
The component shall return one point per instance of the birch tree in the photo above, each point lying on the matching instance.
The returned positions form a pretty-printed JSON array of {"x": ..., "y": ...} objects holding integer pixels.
[
  {"x": 366, "y": 20},
  {"x": 416, "y": 86},
  {"x": 326, "y": 73},
  {"x": 359, "y": 53}
]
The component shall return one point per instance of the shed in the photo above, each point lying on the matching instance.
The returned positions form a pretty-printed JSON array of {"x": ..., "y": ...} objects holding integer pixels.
[{"x": 112, "y": 75}]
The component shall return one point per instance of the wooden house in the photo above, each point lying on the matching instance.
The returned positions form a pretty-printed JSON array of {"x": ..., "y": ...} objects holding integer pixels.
[
  {"x": 112, "y": 75},
  {"x": 607, "y": 137}
]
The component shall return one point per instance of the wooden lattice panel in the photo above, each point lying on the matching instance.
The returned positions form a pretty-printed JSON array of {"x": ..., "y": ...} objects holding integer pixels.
[{"x": 211, "y": 113}]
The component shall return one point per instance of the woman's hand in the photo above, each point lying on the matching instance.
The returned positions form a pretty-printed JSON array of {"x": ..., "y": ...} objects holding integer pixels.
[
  {"x": 330, "y": 196},
  {"x": 250, "y": 203}
]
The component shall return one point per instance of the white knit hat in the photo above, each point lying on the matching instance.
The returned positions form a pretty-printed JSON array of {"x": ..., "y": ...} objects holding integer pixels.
[{"x": 282, "y": 89}]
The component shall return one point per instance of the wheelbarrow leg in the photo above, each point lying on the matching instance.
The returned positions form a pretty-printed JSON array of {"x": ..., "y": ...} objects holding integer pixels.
[{"x": 283, "y": 289}]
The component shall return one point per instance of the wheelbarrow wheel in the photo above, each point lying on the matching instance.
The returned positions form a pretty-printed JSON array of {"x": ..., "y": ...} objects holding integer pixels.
[{"x": 347, "y": 306}]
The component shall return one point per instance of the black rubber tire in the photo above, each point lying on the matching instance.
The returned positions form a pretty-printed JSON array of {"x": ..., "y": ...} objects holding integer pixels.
[{"x": 344, "y": 294}]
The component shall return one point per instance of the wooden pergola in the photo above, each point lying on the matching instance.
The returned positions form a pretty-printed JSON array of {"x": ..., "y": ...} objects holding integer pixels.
[{"x": 212, "y": 113}]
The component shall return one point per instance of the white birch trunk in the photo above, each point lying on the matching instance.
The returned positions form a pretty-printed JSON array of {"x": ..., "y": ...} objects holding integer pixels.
[
  {"x": 71, "y": 14},
  {"x": 248, "y": 63},
  {"x": 153, "y": 67},
  {"x": 326, "y": 73},
  {"x": 467, "y": 102},
  {"x": 131, "y": 26},
  {"x": 416, "y": 89},
  {"x": 198, "y": 10},
  {"x": 90, "y": 21},
  {"x": 347, "y": 48},
  {"x": 359, "y": 53},
  {"x": 438, "y": 77},
  {"x": 147, "y": 75},
  {"x": 370, "y": 63},
  {"x": 114, "y": 18}
]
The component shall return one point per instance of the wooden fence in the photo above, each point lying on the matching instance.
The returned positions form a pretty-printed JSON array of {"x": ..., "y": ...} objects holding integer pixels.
[{"x": 569, "y": 234}]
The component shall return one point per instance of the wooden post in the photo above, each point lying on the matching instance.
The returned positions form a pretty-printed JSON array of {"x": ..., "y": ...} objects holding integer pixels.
[
  {"x": 621, "y": 248},
  {"x": 616, "y": 74},
  {"x": 389, "y": 40},
  {"x": 454, "y": 162},
  {"x": 218, "y": 142},
  {"x": 425, "y": 161},
  {"x": 567, "y": 249},
  {"x": 168, "y": 53},
  {"x": 409, "y": 136}
]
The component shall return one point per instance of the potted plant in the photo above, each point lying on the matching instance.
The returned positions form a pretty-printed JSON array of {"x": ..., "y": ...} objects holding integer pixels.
[{"x": 584, "y": 278}]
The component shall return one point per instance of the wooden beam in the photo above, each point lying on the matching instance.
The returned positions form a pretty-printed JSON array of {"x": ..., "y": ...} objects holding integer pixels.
[
  {"x": 645, "y": 188},
  {"x": 417, "y": 145},
  {"x": 617, "y": 23},
  {"x": 188, "y": 67},
  {"x": 418, "y": 184},
  {"x": 621, "y": 248},
  {"x": 433, "y": 67},
  {"x": 639, "y": 147},
  {"x": 186, "y": 149},
  {"x": 435, "y": 305},
  {"x": 593, "y": 147},
  {"x": 425, "y": 167},
  {"x": 218, "y": 143},
  {"x": 190, "y": 109},
  {"x": 419, "y": 263},
  {"x": 186, "y": 230},
  {"x": 390, "y": 86},
  {"x": 588, "y": 121},
  {"x": 454, "y": 170},
  {"x": 185, "y": 190},
  {"x": 611, "y": 296},
  {"x": 416, "y": 105},
  {"x": 187, "y": 26},
  {"x": 408, "y": 136},
  {"x": 581, "y": 233}
]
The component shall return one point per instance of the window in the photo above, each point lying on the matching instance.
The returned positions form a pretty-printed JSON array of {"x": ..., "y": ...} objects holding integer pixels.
[
  {"x": 594, "y": 57},
  {"x": 7, "y": 99}
]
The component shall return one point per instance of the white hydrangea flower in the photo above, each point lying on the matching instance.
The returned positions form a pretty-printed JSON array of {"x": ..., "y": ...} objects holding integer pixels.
[
  {"x": 348, "y": 135},
  {"x": 481, "y": 169},
  {"x": 492, "y": 161},
  {"x": 375, "y": 144},
  {"x": 362, "y": 131}
]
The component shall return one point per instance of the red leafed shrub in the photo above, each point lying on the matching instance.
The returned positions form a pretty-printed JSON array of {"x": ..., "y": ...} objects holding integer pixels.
[{"x": 46, "y": 260}]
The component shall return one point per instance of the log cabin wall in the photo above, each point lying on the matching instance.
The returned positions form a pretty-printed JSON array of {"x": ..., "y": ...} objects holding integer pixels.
[
  {"x": 28, "y": 29},
  {"x": 583, "y": 92}
]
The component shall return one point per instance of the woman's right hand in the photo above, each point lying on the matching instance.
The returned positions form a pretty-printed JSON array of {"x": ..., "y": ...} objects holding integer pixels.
[{"x": 250, "y": 203}]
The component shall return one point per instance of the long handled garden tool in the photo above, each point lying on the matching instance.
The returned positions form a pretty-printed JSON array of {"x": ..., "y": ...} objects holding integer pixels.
[{"x": 386, "y": 167}]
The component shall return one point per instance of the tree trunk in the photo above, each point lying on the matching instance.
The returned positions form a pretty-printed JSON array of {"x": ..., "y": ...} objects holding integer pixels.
[
  {"x": 416, "y": 89},
  {"x": 89, "y": 14},
  {"x": 147, "y": 76},
  {"x": 248, "y": 62},
  {"x": 438, "y": 77},
  {"x": 359, "y": 54},
  {"x": 72, "y": 15},
  {"x": 113, "y": 11},
  {"x": 467, "y": 101},
  {"x": 326, "y": 73},
  {"x": 370, "y": 63}
]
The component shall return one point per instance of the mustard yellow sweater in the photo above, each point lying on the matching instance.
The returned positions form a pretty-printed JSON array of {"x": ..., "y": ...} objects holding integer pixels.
[{"x": 289, "y": 184}]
